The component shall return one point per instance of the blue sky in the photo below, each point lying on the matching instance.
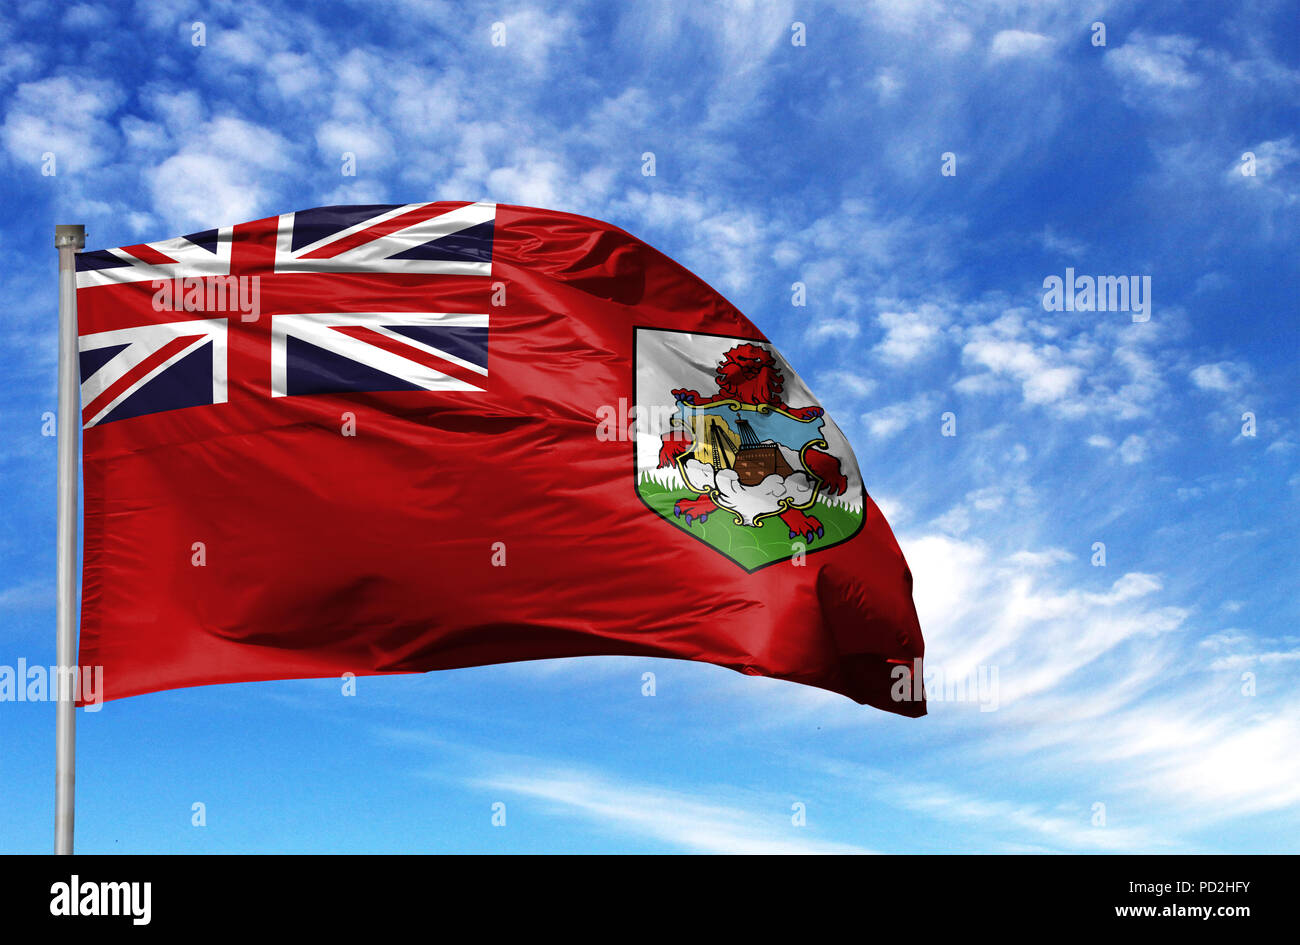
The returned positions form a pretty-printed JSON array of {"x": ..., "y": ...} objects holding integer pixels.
[{"x": 1122, "y": 685}]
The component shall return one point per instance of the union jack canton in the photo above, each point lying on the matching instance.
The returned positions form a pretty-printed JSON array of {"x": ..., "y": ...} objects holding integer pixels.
[{"x": 142, "y": 369}]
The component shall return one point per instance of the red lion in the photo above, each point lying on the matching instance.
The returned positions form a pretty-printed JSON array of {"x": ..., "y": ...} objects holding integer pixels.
[{"x": 748, "y": 373}]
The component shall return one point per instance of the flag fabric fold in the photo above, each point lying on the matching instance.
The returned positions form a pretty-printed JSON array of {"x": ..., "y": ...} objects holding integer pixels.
[{"x": 392, "y": 439}]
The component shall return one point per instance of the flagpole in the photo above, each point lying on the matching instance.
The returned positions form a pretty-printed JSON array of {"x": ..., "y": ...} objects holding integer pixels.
[{"x": 67, "y": 239}]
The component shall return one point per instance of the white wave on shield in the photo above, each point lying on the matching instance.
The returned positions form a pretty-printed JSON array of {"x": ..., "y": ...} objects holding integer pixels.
[{"x": 669, "y": 478}]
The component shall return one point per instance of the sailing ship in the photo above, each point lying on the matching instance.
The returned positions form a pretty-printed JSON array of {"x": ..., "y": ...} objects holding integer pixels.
[
  {"x": 752, "y": 459},
  {"x": 756, "y": 460}
]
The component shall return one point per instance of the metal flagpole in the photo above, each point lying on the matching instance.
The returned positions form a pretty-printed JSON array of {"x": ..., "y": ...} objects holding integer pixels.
[{"x": 67, "y": 239}]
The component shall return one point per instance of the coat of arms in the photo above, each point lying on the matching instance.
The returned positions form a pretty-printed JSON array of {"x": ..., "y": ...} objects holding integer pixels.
[{"x": 735, "y": 450}]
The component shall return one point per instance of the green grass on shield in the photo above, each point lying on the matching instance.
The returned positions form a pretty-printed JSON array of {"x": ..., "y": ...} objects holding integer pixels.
[{"x": 750, "y": 546}]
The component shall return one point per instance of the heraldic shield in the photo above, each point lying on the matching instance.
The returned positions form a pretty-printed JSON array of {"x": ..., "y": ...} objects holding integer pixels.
[{"x": 732, "y": 448}]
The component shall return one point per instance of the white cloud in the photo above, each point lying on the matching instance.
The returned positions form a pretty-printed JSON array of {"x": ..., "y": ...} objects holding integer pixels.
[
  {"x": 1271, "y": 158},
  {"x": 1158, "y": 63},
  {"x": 985, "y": 383},
  {"x": 888, "y": 83},
  {"x": 895, "y": 511},
  {"x": 909, "y": 335},
  {"x": 370, "y": 143},
  {"x": 533, "y": 38},
  {"x": 1052, "y": 384},
  {"x": 978, "y": 609},
  {"x": 885, "y": 422},
  {"x": 1088, "y": 366},
  {"x": 1211, "y": 757},
  {"x": 827, "y": 328},
  {"x": 1042, "y": 382},
  {"x": 294, "y": 74},
  {"x": 1019, "y": 44},
  {"x": 1085, "y": 680},
  {"x": 732, "y": 242},
  {"x": 1067, "y": 246},
  {"x": 1237, "y": 662},
  {"x": 1032, "y": 824},
  {"x": 240, "y": 47},
  {"x": 1040, "y": 559},
  {"x": 687, "y": 821},
  {"x": 64, "y": 116},
  {"x": 1224, "y": 376},
  {"x": 847, "y": 381},
  {"x": 83, "y": 16},
  {"x": 978, "y": 502},
  {"x": 1133, "y": 449},
  {"x": 20, "y": 61},
  {"x": 29, "y": 594},
  {"x": 228, "y": 163}
]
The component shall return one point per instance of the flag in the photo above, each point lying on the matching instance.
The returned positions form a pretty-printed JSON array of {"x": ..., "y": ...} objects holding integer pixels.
[{"x": 392, "y": 439}]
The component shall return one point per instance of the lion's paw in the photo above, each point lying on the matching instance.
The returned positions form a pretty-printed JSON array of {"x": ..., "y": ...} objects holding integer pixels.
[
  {"x": 692, "y": 509},
  {"x": 801, "y": 525}
]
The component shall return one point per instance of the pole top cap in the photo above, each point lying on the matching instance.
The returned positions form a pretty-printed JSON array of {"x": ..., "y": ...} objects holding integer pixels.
[{"x": 69, "y": 234}]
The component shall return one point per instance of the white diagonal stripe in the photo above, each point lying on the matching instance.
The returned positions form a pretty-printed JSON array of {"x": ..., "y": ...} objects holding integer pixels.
[{"x": 318, "y": 329}]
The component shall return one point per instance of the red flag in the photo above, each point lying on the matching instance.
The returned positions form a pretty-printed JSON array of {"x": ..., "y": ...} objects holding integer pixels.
[{"x": 395, "y": 439}]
